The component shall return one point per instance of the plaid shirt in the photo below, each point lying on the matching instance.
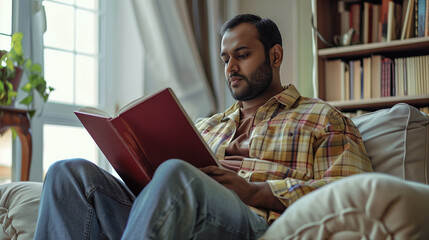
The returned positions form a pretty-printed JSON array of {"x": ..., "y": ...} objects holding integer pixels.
[{"x": 297, "y": 145}]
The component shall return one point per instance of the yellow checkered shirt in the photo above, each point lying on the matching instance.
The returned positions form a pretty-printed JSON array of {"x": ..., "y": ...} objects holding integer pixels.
[{"x": 297, "y": 145}]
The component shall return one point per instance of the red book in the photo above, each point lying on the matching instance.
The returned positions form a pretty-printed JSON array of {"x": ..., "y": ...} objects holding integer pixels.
[{"x": 144, "y": 134}]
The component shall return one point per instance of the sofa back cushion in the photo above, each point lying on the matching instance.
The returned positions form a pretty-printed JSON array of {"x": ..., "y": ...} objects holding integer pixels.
[{"x": 396, "y": 140}]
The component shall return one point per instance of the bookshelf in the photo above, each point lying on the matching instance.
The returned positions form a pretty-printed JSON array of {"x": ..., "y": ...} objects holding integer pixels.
[{"x": 328, "y": 24}]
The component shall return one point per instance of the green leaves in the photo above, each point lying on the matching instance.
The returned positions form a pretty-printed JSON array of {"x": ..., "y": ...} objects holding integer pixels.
[{"x": 9, "y": 62}]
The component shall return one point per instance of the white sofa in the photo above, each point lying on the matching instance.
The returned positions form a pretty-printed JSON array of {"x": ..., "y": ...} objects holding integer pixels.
[{"x": 392, "y": 203}]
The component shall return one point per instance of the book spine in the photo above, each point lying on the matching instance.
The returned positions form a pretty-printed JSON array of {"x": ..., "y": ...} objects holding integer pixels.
[
  {"x": 427, "y": 19},
  {"x": 127, "y": 135},
  {"x": 421, "y": 18},
  {"x": 416, "y": 16}
]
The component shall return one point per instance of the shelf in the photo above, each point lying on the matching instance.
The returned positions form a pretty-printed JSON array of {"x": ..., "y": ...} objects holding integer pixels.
[
  {"x": 377, "y": 103},
  {"x": 420, "y": 45}
]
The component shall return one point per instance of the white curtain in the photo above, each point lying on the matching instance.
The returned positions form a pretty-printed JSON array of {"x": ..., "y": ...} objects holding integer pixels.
[{"x": 171, "y": 55}]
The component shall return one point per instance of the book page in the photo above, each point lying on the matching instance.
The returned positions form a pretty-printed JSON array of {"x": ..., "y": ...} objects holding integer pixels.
[
  {"x": 130, "y": 105},
  {"x": 95, "y": 111}
]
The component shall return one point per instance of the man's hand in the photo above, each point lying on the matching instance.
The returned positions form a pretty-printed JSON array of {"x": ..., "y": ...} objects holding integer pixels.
[{"x": 253, "y": 194}]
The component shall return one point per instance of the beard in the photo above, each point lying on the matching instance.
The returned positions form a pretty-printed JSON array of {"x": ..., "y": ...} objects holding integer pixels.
[{"x": 257, "y": 83}]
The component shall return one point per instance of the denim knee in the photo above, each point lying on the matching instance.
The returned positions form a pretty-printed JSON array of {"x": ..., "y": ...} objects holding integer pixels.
[
  {"x": 70, "y": 167},
  {"x": 174, "y": 168}
]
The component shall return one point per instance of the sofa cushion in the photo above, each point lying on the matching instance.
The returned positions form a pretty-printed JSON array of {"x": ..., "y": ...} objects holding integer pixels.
[
  {"x": 19, "y": 205},
  {"x": 362, "y": 206},
  {"x": 396, "y": 140}
]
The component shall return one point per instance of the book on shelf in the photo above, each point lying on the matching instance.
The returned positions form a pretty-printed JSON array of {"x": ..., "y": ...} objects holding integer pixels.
[
  {"x": 355, "y": 22},
  {"x": 367, "y": 22},
  {"x": 383, "y": 20},
  {"x": 357, "y": 79},
  {"x": 421, "y": 18},
  {"x": 366, "y": 78},
  {"x": 375, "y": 76},
  {"x": 375, "y": 22},
  {"x": 394, "y": 18},
  {"x": 334, "y": 75},
  {"x": 346, "y": 81},
  {"x": 416, "y": 17},
  {"x": 427, "y": 19},
  {"x": 144, "y": 134},
  {"x": 408, "y": 26}
]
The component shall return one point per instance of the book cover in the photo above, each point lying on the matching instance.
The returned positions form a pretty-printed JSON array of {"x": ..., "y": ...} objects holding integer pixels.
[{"x": 144, "y": 134}]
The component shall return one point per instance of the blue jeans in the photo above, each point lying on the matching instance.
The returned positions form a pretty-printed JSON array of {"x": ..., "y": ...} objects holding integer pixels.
[{"x": 82, "y": 201}]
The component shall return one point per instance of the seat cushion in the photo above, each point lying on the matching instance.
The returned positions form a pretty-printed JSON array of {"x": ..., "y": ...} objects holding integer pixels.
[
  {"x": 397, "y": 141},
  {"x": 362, "y": 206},
  {"x": 19, "y": 206}
]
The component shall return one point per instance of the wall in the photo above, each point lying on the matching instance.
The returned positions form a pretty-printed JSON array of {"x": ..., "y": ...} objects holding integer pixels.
[
  {"x": 292, "y": 17},
  {"x": 293, "y": 20}
]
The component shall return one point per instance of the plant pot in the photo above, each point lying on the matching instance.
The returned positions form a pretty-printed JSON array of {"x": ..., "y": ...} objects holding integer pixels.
[{"x": 15, "y": 81}]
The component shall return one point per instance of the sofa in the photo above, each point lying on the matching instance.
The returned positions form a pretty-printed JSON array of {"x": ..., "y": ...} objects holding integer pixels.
[{"x": 391, "y": 203}]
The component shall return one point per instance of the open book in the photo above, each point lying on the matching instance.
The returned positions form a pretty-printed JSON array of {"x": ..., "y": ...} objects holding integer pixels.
[{"x": 144, "y": 134}]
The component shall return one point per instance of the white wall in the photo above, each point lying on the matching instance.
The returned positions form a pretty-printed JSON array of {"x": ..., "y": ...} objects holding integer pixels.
[
  {"x": 127, "y": 56},
  {"x": 293, "y": 20},
  {"x": 290, "y": 16},
  {"x": 284, "y": 14}
]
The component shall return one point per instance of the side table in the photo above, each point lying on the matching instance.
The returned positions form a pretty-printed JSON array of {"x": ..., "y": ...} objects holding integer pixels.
[{"x": 18, "y": 118}]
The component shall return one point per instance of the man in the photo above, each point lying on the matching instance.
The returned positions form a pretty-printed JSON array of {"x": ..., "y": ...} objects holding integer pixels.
[{"x": 275, "y": 145}]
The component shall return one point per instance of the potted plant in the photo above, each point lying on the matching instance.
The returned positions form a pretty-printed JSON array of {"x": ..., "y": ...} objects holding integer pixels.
[{"x": 13, "y": 64}]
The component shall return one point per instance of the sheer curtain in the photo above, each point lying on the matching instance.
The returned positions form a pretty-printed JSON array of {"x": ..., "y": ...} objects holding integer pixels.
[{"x": 171, "y": 54}]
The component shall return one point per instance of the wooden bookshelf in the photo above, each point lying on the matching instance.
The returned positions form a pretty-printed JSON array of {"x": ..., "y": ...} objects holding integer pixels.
[{"x": 328, "y": 25}]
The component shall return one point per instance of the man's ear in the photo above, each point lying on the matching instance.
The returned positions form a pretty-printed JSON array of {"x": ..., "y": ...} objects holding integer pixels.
[{"x": 276, "y": 53}]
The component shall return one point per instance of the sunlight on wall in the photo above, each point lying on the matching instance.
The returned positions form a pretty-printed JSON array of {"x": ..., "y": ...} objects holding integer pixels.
[
  {"x": 6, "y": 157},
  {"x": 65, "y": 142}
]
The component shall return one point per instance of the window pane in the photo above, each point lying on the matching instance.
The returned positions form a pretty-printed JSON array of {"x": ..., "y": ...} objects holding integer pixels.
[
  {"x": 59, "y": 73},
  {"x": 64, "y": 142},
  {"x": 6, "y": 16},
  {"x": 6, "y": 157},
  {"x": 87, "y": 36},
  {"x": 4, "y": 43},
  {"x": 90, "y": 4},
  {"x": 65, "y": 1},
  {"x": 86, "y": 80},
  {"x": 60, "y": 22}
]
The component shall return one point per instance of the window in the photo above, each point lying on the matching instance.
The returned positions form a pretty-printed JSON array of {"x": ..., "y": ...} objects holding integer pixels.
[
  {"x": 71, "y": 51},
  {"x": 72, "y": 57},
  {"x": 5, "y": 23},
  {"x": 5, "y": 137}
]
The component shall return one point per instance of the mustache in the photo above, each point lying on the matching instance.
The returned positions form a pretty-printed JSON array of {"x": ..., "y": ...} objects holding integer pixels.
[{"x": 236, "y": 75}]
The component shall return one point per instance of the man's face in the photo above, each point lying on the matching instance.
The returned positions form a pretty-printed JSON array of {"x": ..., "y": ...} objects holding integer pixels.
[{"x": 247, "y": 68}]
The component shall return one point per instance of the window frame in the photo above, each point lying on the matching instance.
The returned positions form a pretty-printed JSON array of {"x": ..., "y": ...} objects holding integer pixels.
[{"x": 24, "y": 20}]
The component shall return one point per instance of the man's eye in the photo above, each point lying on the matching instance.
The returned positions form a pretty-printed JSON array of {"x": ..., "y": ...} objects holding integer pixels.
[
  {"x": 243, "y": 56},
  {"x": 225, "y": 61}
]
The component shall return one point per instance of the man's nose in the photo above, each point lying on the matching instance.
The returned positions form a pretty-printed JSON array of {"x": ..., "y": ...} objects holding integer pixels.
[{"x": 232, "y": 66}]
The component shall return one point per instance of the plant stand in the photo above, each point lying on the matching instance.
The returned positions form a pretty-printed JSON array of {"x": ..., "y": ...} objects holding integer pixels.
[{"x": 19, "y": 119}]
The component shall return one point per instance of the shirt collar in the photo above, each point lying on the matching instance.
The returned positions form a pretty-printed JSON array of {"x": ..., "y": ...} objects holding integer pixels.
[{"x": 287, "y": 97}]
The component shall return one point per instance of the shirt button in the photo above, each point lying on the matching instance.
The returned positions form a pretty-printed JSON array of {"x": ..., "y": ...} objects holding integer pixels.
[{"x": 290, "y": 134}]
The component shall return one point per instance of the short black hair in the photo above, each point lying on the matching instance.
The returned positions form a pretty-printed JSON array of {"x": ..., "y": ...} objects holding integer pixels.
[{"x": 269, "y": 34}]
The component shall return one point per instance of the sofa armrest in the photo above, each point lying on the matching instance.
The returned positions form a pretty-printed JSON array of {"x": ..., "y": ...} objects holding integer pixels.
[
  {"x": 363, "y": 206},
  {"x": 19, "y": 206}
]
